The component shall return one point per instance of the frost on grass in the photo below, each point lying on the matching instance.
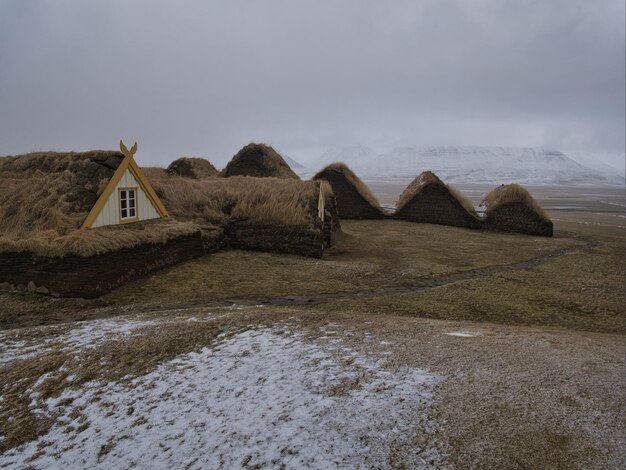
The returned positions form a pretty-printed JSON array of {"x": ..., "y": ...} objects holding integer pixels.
[
  {"x": 89, "y": 334},
  {"x": 261, "y": 398}
]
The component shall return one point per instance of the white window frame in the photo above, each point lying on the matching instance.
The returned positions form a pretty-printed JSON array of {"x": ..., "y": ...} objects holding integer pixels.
[{"x": 125, "y": 200}]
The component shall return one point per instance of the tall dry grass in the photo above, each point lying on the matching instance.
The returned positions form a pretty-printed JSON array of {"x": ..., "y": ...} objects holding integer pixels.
[
  {"x": 284, "y": 202},
  {"x": 425, "y": 179},
  {"x": 51, "y": 190},
  {"x": 509, "y": 194}
]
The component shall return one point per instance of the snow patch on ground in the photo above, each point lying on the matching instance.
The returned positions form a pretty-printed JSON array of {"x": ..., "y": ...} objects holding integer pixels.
[
  {"x": 261, "y": 398},
  {"x": 89, "y": 334},
  {"x": 462, "y": 334}
]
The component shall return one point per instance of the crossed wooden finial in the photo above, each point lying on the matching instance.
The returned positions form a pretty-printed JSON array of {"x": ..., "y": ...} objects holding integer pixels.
[{"x": 127, "y": 152}]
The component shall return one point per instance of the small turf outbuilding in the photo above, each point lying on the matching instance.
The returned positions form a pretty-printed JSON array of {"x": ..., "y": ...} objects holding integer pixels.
[
  {"x": 511, "y": 208},
  {"x": 428, "y": 200},
  {"x": 258, "y": 160},
  {"x": 192, "y": 167},
  {"x": 353, "y": 198}
]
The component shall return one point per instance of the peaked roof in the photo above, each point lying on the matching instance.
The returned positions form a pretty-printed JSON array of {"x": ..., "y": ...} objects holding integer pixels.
[
  {"x": 258, "y": 160},
  {"x": 128, "y": 163},
  {"x": 425, "y": 180},
  {"x": 354, "y": 198}
]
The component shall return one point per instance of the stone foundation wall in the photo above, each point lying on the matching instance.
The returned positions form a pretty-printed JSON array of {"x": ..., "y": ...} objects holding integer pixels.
[
  {"x": 88, "y": 277},
  {"x": 300, "y": 241}
]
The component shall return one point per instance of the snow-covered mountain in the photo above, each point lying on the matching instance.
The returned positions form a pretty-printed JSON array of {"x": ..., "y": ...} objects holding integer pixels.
[
  {"x": 472, "y": 165},
  {"x": 297, "y": 167},
  {"x": 350, "y": 155}
]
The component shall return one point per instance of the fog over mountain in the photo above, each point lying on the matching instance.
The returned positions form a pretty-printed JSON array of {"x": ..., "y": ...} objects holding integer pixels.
[{"x": 473, "y": 164}]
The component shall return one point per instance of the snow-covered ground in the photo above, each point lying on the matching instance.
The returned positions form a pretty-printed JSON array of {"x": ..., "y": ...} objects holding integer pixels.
[{"x": 263, "y": 398}]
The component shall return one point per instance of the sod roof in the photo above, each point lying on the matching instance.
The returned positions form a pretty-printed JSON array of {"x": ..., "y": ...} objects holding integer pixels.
[
  {"x": 193, "y": 167},
  {"x": 258, "y": 160},
  {"x": 284, "y": 202},
  {"x": 51, "y": 190},
  {"x": 508, "y": 194}
]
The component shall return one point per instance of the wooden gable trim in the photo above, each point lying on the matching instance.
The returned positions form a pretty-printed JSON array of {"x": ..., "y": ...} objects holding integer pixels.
[
  {"x": 147, "y": 188},
  {"x": 104, "y": 197},
  {"x": 127, "y": 162}
]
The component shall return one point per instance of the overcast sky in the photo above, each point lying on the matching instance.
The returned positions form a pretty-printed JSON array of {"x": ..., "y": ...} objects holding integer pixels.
[{"x": 206, "y": 77}]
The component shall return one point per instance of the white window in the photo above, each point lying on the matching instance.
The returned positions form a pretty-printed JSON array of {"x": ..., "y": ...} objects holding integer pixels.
[{"x": 128, "y": 203}]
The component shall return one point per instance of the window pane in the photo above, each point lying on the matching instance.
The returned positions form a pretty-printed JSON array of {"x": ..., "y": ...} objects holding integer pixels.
[
  {"x": 131, "y": 212},
  {"x": 131, "y": 193},
  {"x": 123, "y": 203},
  {"x": 123, "y": 194},
  {"x": 131, "y": 203},
  {"x": 124, "y": 213}
]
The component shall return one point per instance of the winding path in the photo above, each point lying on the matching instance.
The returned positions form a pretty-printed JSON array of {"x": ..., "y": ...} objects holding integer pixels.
[{"x": 437, "y": 281}]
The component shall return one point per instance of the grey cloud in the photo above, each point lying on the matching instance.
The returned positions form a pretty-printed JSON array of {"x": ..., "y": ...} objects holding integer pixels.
[{"x": 198, "y": 77}]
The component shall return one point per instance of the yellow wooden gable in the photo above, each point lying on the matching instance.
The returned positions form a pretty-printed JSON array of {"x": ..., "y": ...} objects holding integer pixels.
[{"x": 128, "y": 176}]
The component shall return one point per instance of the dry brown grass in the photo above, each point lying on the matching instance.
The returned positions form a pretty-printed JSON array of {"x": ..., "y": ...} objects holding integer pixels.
[
  {"x": 424, "y": 180},
  {"x": 285, "y": 202},
  {"x": 366, "y": 255},
  {"x": 512, "y": 193},
  {"x": 99, "y": 240},
  {"x": 352, "y": 179},
  {"x": 51, "y": 191},
  {"x": 258, "y": 160},
  {"x": 154, "y": 172}
]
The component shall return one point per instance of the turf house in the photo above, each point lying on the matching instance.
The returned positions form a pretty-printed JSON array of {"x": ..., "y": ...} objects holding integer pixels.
[
  {"x": 192, "y": 167},
  {"x": 353, "y": 198},
  {"x": 428, "y": 200},
  {"x": 96, "y": 220},
  {"x": 259, "y": 160},
  {"x": 511, "y": 208}
]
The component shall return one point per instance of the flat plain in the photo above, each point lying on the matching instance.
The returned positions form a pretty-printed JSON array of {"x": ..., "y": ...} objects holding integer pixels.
[{"x": 469, "y": 348}]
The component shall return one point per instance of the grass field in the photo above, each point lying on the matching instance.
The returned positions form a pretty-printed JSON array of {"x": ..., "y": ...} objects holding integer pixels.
[{"x": 482, "y": 354}]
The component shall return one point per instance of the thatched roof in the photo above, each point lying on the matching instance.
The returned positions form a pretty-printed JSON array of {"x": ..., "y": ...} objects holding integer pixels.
[
  {"x": 284, "y": 202},
  {"x": 192, "y": 167},
  {"x": 258, "y": 160},
  {"x": 428, "y": 200},
  {"x": 51, "y": 190},
  {"x": 510, "y": 194},
  {"x": 511, "y": 208},
  {"x": 354, "y": 198}
]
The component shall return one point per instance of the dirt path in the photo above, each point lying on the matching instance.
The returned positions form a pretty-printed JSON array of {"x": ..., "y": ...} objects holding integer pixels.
[{"x": 430, "y": 283}]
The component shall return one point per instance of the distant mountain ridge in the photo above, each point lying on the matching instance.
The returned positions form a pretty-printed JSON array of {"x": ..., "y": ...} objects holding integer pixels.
[{"x": 455, "y": 164}]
